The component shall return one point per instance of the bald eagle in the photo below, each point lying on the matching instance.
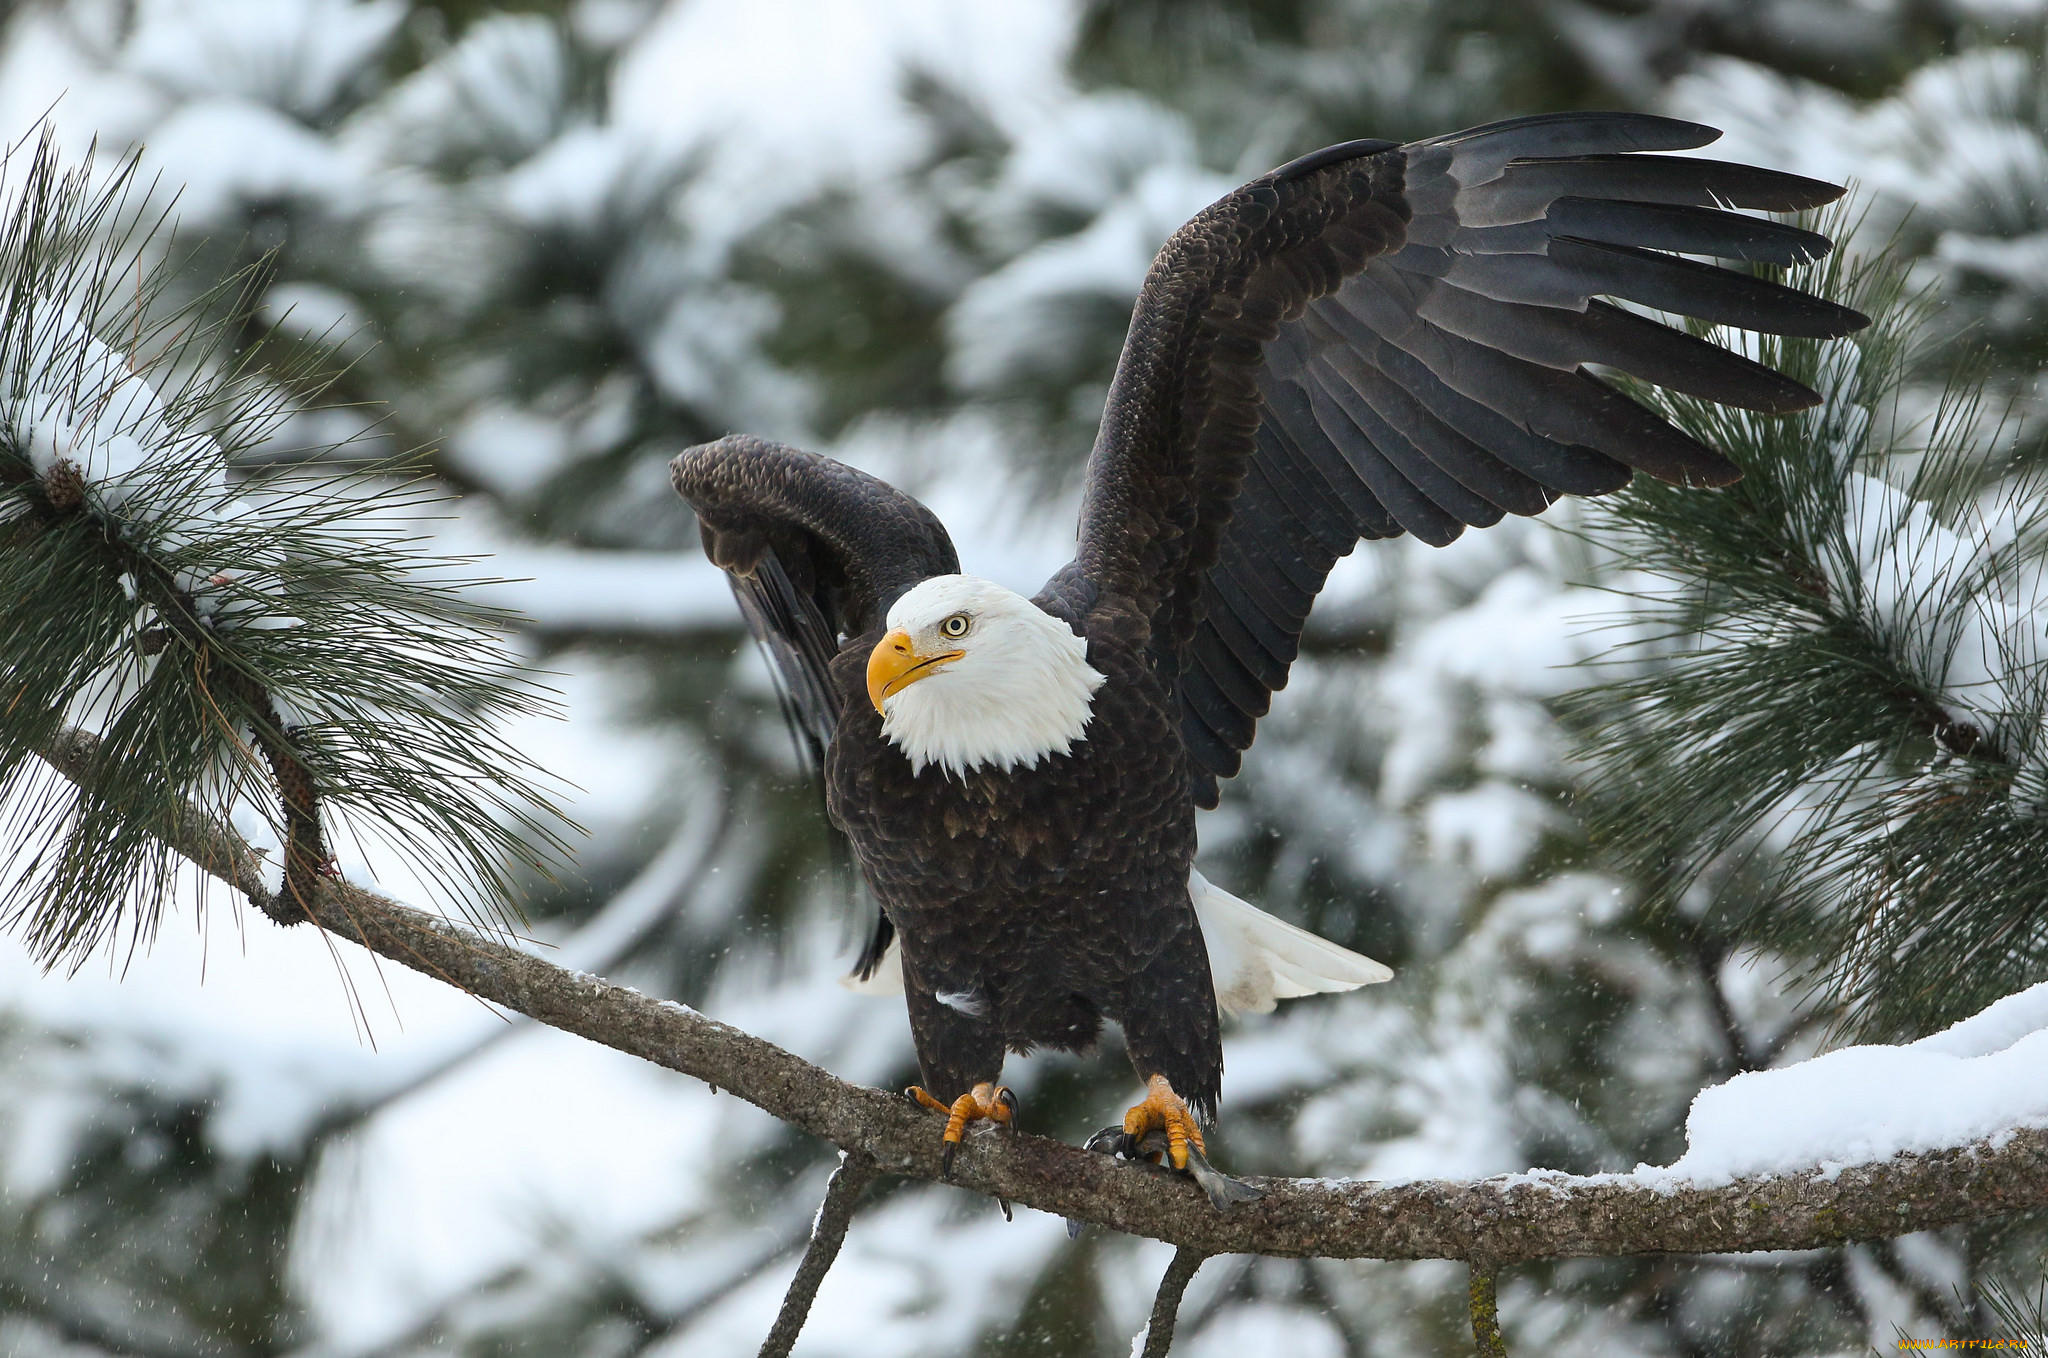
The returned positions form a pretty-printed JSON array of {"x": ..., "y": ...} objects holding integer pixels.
[{"x": 1372, "y": 340}]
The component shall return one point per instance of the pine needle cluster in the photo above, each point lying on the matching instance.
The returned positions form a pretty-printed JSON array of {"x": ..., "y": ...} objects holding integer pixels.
[
  {"x": 2015, "y": 1312},
  {"x": 1840, "y": 702},
  {"x": 274, "y": 649}
]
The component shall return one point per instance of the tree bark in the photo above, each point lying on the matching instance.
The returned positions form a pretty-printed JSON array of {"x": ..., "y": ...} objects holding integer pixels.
[{"x": 1498, "y": 1221}]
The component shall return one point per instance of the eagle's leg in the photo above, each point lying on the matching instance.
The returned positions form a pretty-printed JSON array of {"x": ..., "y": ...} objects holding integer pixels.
[
  {"x": 1175, "y": 1043},
  {"x": 1170, "y": 1029},
  {"x": 959, "y": 1057},
  {"x": 986, "y": 1101},
  {"x": 1162, "y": 1110}
]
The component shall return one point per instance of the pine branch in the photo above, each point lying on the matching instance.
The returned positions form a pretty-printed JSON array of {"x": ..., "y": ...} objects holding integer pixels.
[
  {"x": 1500, "y": 1221},
  {"x": 2019, "y": 1314},
  {"x": 271, "y": 642},
  {"x": 1839, "y": 684},
  {"x": 611, "y": 936}
]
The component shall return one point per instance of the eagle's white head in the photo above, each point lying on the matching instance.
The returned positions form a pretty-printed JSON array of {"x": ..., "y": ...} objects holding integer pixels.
[{"x": 972, "y": 674}]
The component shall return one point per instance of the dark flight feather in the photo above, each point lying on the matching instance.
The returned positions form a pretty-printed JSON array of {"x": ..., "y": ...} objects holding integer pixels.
[
  {"x": 1686, "y": 229},
  {"x": 1430, "y": 384}
]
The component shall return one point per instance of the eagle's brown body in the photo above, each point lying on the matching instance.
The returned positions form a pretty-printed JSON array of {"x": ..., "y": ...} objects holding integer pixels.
[
  {"x": 1373, "y": 340},
  {"x": 1040, "y": 901}
]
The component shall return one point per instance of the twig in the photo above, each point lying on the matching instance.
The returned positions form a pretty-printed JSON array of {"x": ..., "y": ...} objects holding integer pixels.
[
  {"x": 854, "y": 1174},
  {"x": 1505, "y": 1220},
  {"x": 305, "y": 844},
  {"x": 1166, "y": 1306},
  {"x": 1486, "y": 1336}
]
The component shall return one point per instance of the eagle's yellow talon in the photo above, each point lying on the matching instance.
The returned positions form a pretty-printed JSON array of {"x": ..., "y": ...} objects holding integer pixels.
[
  {"x": 917, "y": 1094},
  {"x": 1162, "y": 1109},
  {"x": 986, "y": 1101}
]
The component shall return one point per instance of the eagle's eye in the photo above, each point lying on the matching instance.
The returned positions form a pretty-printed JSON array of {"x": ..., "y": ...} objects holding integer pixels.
[{"x": 956, "y": 626}]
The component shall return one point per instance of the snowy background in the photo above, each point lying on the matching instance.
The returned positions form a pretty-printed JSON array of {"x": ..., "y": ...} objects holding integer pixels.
[{"x": 559, "y": 242}]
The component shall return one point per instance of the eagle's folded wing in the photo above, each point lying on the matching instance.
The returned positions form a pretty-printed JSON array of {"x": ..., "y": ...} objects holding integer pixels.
[{"x": 816, "y": 552}]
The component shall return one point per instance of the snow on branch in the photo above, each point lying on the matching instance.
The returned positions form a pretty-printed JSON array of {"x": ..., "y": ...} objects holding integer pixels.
[{"x": 1494, "y": 1221}]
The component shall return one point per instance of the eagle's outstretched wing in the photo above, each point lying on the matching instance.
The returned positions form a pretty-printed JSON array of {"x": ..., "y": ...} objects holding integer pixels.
[
  {"x": 1378, "y": 339},
  {"x": 816, "y": 552}
]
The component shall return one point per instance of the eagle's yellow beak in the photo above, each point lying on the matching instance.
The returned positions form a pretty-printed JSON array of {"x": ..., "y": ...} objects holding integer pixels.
[{"x": 894, "y": 665}]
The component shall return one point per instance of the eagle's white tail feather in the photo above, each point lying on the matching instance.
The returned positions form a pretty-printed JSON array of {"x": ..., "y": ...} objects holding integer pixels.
[
  {"x": 1258, "y": 960},
  {"x": 1255, "y": 959}
]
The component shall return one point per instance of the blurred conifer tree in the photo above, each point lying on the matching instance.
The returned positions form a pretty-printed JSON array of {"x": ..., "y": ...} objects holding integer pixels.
[{"x": 528, "y": 285}]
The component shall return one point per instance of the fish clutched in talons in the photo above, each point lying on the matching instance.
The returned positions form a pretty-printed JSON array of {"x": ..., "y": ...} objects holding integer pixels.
[
  {"x": 986, "y": 1101},
  {"x": 1163, "y": 1110},
  {"x": 1162, "y": 1129},
  {"x": 1222, "y": 1191}
]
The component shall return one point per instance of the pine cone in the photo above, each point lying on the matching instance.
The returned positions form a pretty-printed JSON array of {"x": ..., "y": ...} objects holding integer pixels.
[{"x": 65, "y": 485}]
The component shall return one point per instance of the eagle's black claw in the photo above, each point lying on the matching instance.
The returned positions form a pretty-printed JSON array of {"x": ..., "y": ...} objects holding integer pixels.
[{"x": 987, "y": 1100}]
